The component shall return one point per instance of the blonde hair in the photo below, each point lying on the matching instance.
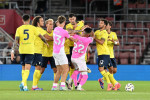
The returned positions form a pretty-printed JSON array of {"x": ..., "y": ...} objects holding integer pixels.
[{"x": 51, "y": 20}]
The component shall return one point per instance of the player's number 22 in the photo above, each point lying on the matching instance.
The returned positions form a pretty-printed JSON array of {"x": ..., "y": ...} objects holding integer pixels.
[{"x": 26, "y": 32}]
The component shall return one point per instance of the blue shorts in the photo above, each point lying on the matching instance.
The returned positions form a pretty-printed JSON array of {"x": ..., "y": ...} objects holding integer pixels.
[
  {"x": 37, "y": 60},
  {"x": 45, "y": 62},
  {"x": 26, "y": 59},
  {"x": 103, "y": 61},
  {"x": 113, "y": 63},
  {"x": 69, "y": 59}
]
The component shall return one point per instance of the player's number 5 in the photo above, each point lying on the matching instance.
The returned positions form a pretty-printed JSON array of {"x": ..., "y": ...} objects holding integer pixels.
[{"x": 26, "y": 32}]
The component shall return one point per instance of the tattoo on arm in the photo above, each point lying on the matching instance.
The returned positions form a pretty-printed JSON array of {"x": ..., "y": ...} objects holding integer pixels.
[
  {"x": 103, "y": 39},
  {"x": 42, "y": 38}
]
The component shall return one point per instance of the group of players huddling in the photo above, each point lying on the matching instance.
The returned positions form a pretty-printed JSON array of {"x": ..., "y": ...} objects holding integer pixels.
[{"x": 65, "y": 49}]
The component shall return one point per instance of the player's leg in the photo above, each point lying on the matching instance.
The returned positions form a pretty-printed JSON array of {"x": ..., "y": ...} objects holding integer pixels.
[
  {"x": 28, "y": 61},
  {"x": 53, "y": 65},
  {"x": 103, "y": 62},
  {"x": 83, "y": 69},
  {"x": 111, "y": 77},
  {"x": 64, "y": 75},
  {"x": 44, "y": 64},
  {"x": 37, "y": 73},
  {"x": 57, "y": 77}
]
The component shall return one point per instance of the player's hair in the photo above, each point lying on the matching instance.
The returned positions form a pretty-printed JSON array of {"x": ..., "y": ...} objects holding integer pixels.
[
  {"x": 36, "y": 20},
  {"x": 25, "y": 17},
  {"x": 88, "y": 30},
  {"x": 61, "y": 19},
  {"x": 71, "y": 15},
  {"x": 105, "y": 21},
  {"x": 110, "y": 23},
  {"x": 51, "y": 20}
]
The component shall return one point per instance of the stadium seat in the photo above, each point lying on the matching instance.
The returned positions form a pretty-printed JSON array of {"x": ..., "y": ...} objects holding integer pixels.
[
  {"x": 124, "y": 61},
  {"x": 130, "y": 5},
  {"x": 134, "y": 39},
  {"x": 124, "y": 54},
  {"x": 141, "y": 5},
  {"x": 133, "y": 61},
  {"x": 118, "y": 25},
  {"x": 128, "y": 47},
  {"x": 89, "y": 19},
  {"x": 130, "y": 25},
  {"x": 139, "y": 25},
  {"x": 132, "y": 54}
]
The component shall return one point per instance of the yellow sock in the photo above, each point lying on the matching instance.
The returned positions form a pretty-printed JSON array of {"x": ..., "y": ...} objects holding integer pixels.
[
  {"x": 36, "y": 77},
  {"x": 39, "y": 77},
  {"x": 22, "y": 74},
  {"x": 54, "y": 75},
  {"x": 25, "y": 77},
  {"x": 71, "y": 71},
  {"x": 105, "y": 76},
  {"x": 112, "y": 79}
]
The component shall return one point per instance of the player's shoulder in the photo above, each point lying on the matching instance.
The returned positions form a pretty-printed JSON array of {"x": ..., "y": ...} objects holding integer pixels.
[
  {"x": 81, "y": 22},
  {"x": 97, "y": 31},
  {"x": 69, "y": 24},
  {"x": 114, "y": 33}
]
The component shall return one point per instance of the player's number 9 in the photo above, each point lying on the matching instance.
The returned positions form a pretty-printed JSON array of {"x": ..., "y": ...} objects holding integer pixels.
[{"x": 26, "y": 32}]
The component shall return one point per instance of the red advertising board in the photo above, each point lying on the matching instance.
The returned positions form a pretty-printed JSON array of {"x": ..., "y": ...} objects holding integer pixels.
[{"x": 10, "y": 20}]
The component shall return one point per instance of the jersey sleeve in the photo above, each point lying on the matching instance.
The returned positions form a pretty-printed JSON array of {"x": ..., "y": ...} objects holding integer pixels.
[
  {"x": 75, "y": 36},
  {"x": 17, "y": 33},
  {"x": 115, "y": 37},
  {"x": 66, "y": 34}
]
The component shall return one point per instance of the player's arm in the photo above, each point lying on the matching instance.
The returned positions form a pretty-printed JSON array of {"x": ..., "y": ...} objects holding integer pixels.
[
  {"x": 43, "y": 39},
  {"x": 73, "y": 39},
  {"x": 100, "y": 41},
  {"x": 116, "y": 42},
  {"x": 15, "y": 46},
  {"x": 48, "y": 38}
]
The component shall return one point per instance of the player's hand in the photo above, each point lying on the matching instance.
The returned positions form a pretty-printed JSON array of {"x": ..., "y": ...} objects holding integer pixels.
[
  {"x": 12, "y": 56},
  {"x": 75, "y": 40}
]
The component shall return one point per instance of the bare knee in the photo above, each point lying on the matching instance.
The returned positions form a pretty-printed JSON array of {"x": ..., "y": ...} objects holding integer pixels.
[
  {"x": 54, "y": 70},
  {"x": 101, "y": 69},
  {"x": 42, "y": 70},
  {"x": 115, "y": 70},
  {"x": 110, "y": 70}
]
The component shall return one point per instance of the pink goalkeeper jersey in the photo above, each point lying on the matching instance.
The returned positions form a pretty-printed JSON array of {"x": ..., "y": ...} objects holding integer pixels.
[
  {"x": 80, "y": 47},
  {"x": 59, "y": 36}
]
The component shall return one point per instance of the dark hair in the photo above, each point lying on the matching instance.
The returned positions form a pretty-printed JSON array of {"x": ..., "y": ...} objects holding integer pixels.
[
  {"x": 25, "y": 17},
  {"x": 88, "y": 30},
  {"x": 71, "y": 15},
  {"x": 110, "y": 23},
  {"x": 105, "y": 21},
  {"x": 61, "y": 19},
  {"x": 36, "y": 20}
]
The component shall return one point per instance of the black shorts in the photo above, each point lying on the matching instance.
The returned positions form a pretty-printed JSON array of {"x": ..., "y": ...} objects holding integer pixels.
[
  {"x": 103, "y": 61},
  {"x": 37, "y": 60},
  {"x": 69, "y": 59},
  {"x": 71, "y": 48},
  {"x": 45, "y": 62},
  {"x": 113, "y": 63},
  {"x": 26, "y": 59}
]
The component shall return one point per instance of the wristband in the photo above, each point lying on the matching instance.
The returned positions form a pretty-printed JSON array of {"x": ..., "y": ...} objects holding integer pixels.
[
  {"x": 12, "y": 51},
  {"x": 115, "y": 42}
]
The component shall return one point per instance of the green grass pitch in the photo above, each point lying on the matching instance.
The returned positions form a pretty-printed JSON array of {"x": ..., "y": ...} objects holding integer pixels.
[{"x": 9, "y": 90}]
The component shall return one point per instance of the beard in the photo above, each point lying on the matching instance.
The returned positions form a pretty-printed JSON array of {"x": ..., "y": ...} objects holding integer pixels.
[{"x": 73, "y": 23}]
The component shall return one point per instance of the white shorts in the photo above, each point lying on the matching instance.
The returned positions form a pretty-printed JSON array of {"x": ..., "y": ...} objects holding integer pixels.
[
  {"x": 79, "y": 63},
  {"x": 60, "y": 59}
]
